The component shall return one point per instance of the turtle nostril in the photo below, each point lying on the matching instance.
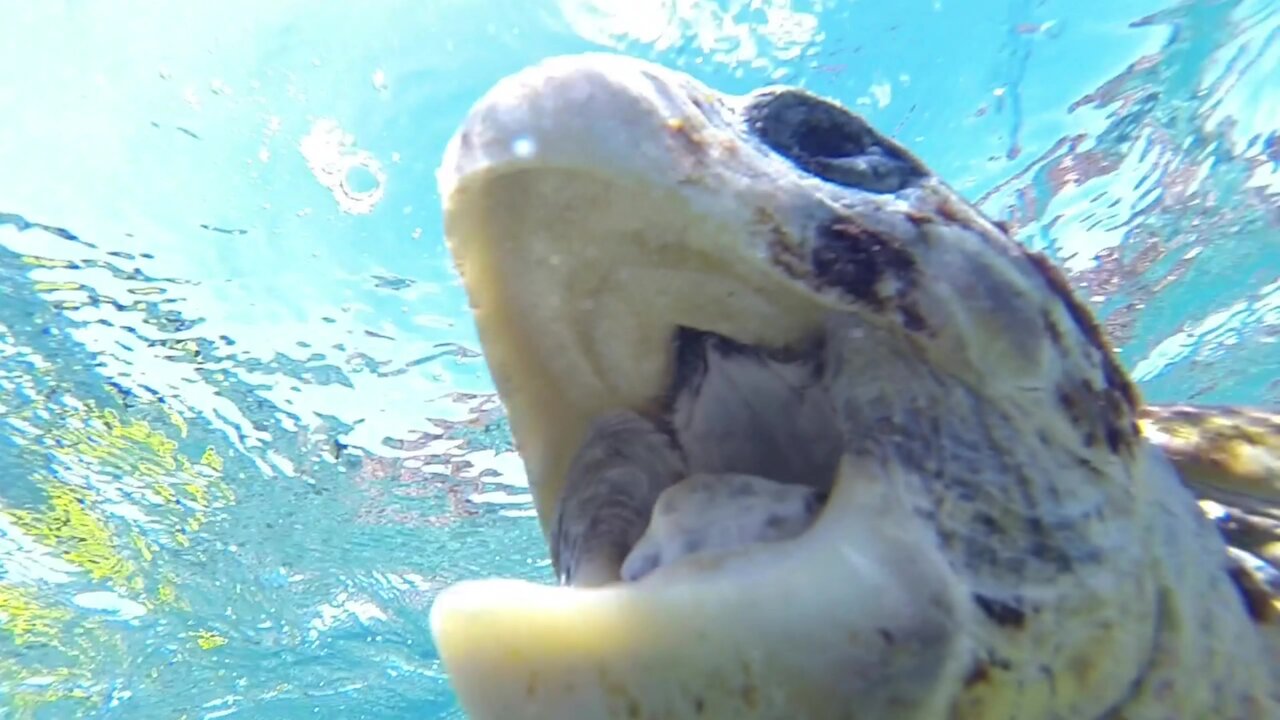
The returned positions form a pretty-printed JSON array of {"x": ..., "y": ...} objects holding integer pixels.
[{"x": 830, "y": 142}]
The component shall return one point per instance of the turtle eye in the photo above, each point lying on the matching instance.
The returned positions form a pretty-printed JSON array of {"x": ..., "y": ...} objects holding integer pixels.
[{"x": 830, "y": 142}]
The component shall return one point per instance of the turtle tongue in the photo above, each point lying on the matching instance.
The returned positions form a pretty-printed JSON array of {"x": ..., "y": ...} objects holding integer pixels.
[{"x": 856, "y": 612}]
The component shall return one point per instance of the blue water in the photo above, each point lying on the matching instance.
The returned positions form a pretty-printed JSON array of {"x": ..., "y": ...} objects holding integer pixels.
[{"x": 245, "y": 430}]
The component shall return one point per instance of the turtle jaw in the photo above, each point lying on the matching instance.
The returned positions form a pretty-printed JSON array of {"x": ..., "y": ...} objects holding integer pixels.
[
  {"x": 593, "y": 205},
  {"x": 855, "y": 613}
]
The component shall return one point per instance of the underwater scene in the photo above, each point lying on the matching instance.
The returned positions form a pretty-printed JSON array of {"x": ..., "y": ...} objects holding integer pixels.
[{"x": 247, "y": 429}]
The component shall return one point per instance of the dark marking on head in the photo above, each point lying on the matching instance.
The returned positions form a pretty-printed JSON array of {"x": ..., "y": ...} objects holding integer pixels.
[
  {"x": 775, "y": 521},
  {"x": 1122, "y": 401},
  {"x": 784, "y": 252},
  {"x": 1045, "y": 550},
  {"x": 988, "y": 523},
  {"x": 693, "y": 544},
  {"x": 815, "y": 502},
  {"x": 984, "y": 667},
  {"x": 837, "y": 262},
  {"x": 1115, "y": 438},
  {"x": 1052, "y": 330},
  {"x": 1002, "y": 613},
  {"x": 829, "y": 142},
  {"x": 978, "y": 674},
  {"x": 849, "y": 257},
  {"x": 887, "y": 636},
  {"x": 911, "y": 318},
  {"x": 1100, "y": 414}
]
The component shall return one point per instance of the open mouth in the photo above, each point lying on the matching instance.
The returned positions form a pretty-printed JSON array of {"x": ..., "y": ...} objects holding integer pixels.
[
  {"x": 729, "y": 333},
  {"x": 742, "y": 449}
]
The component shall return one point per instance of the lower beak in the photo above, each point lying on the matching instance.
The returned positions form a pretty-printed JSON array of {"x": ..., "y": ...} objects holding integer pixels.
[{"x": 855, "y": 613}]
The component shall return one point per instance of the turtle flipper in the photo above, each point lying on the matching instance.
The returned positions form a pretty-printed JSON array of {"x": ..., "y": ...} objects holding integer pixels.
[
  {"x": 1224, "y": 453},
  {"x": 1252, "y": 531},
  {"x": 1230, "y": 458}
]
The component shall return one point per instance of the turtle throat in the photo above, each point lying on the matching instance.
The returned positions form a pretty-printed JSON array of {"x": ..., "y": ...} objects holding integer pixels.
[{"x": 743, "y": 450}]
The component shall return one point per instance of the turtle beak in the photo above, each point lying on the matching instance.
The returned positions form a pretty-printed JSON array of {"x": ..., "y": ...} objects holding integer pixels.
[
  {"x": 592, "y": 206},
  {"x": 854, "y": 613}
]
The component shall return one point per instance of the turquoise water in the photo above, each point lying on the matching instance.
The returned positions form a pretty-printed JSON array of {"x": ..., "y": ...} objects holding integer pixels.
[{"x": 245, "y": 431}]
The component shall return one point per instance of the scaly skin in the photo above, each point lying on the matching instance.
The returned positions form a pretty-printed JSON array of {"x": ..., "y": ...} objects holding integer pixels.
[{"x": 1000, "y": 539}]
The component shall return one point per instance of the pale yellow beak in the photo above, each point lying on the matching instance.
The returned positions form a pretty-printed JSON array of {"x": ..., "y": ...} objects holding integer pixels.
[{"x": 855, "y": 613}]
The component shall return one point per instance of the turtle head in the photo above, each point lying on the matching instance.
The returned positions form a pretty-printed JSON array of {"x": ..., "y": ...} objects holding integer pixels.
[{"x": 626, "y": 237}]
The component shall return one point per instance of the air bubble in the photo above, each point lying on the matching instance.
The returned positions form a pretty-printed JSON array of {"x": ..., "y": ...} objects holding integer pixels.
[
  {"x": 354, "y": 176},
  {"x": 359, "y": 181}
]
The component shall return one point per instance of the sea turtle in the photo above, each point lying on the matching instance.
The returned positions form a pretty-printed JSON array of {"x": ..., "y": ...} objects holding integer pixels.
[{"x": 673, "y": 286}]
